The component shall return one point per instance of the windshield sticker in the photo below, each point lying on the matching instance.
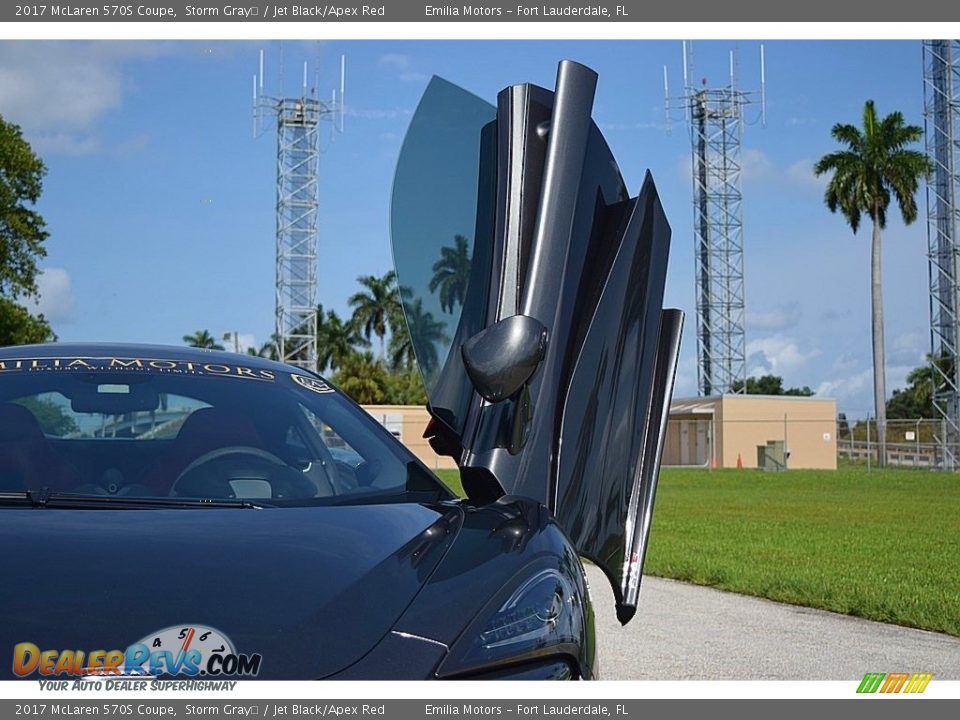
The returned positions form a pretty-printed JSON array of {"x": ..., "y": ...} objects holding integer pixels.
[
  {"x": 311, "y": 383},
  {"x": 124, "y": 364},
  {"x": 189, "y": 650}
]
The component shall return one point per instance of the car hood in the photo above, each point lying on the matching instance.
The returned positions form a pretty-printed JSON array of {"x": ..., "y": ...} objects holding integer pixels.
[{"x": 310, "y": 589}]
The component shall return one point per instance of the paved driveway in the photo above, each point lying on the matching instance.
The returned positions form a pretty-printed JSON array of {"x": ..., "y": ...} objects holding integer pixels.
[{"x": 684, "y": 631}]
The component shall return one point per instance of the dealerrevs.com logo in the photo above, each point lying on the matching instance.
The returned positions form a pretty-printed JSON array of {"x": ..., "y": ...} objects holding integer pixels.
[
  {"x": 894, "y": 682},
  {"x": 179, "y": 650}
]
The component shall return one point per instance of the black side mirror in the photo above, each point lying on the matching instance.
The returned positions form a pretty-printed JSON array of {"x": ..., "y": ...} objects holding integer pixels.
[{"x": 500, "y": 359}]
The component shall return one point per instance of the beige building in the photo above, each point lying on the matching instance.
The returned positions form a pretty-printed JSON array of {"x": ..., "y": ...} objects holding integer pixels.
[
  {"x": 407, "y": 423},
  {"x": 780, "y": 431},
  {"x": 802, "y": 428}
]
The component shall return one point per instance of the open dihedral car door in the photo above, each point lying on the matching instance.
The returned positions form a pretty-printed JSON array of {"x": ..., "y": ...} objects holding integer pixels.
[{"x": 532, "y": 285}]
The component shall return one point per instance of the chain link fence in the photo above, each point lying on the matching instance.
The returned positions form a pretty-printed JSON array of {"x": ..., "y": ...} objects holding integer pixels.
[{"x": 909, "y": 443}]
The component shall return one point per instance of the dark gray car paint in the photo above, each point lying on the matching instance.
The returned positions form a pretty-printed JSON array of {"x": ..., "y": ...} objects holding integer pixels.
[{"x": 566, "y": 246}]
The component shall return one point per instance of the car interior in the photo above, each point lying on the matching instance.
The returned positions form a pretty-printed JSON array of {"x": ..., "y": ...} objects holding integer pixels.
[{"x": 154, "y": 435}]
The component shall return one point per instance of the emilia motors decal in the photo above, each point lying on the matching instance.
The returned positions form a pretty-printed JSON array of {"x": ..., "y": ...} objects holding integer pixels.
[
  {"x": 311, "y": 383},
  {"x": 191, "y": 651},
  {"x": 134, "y": 365}
]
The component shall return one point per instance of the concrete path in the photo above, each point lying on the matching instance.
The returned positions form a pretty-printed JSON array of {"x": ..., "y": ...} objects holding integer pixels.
[{"x": 684, "y": 631}]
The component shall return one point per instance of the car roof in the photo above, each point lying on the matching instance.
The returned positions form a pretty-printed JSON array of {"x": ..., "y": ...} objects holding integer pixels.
[{"x": 133, "y": 350}]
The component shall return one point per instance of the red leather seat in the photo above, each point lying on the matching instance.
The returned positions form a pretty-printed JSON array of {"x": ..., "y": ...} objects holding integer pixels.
[{"x": 204, "y": 430}]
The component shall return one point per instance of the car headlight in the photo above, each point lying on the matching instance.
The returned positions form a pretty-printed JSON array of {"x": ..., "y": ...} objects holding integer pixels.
[{"x": 542, "y": 617}]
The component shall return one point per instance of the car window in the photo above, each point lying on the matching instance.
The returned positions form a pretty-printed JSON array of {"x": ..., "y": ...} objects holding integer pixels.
[
  {"x": 338, "y": 447},
  {"x": 441, "y": 221},
  {"x": 58, "y": 419},
  {"x": 214, "y": 431}
]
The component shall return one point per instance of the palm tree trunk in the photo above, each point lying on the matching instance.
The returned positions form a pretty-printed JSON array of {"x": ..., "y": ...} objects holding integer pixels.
[{"x": 879, "y": 360}]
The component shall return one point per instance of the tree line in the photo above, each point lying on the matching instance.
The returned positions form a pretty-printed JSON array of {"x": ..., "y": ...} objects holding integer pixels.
[
  {"x": 345, "y": 346},
  {"x": 22, "y": 234}
]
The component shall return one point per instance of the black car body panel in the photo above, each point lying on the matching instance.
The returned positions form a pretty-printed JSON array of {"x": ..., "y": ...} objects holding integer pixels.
[
  {"x": 551, "y": 377},
  {"x": 311, "y": 589},
  {"x": 497, "y": 546}
]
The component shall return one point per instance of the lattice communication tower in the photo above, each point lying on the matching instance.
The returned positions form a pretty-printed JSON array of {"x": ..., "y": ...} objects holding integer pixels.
[
  {"x": 941, "y": 82},
  {"x": 298, "y": 122},
  {"x": 714, "y": 117}
]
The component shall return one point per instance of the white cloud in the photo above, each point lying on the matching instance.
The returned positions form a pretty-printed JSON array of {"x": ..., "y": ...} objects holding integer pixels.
[
  {"x": 908, "y": 348},
  {"x": 403, "y": 66},
  {"x": 833, "y": 315},
  {"x": 801, "y": 174},
  {"x": 56, "y": 86},
  {"x": 854, "y": 391},
  {"x": 65, "y": 144},
  {"x": 849, "y": 387},
  {"x": 378, "y": 113},
  {"x": 777, "y": 354},
  {"x": 395, "y": 60},
  {"x": 59, "y": 91},
  {"x": 777, "y": 318},
  {"x": 755, "y": 165},
  {"x": 845, "y": 362},
  {"x": 56, "y": 300}
]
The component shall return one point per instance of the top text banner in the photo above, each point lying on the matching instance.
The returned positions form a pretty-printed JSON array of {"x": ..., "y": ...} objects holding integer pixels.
[{"x": 499, "y": 11}]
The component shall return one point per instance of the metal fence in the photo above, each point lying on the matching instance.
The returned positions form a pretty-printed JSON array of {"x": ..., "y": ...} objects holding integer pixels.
[{"x": 910, "y": 443}]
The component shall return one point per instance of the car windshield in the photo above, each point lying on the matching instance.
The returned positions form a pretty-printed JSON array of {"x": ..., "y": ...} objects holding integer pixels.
[{"x": 128, "y": 428}]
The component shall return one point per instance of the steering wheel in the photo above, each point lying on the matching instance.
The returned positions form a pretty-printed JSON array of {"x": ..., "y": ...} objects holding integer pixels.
[{"x": 258, "y": 464}]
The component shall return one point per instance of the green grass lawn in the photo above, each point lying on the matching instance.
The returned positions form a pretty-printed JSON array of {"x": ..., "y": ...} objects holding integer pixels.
[
  {"x": 883, "y": 545},
  {"x": 452, "y": 480}
]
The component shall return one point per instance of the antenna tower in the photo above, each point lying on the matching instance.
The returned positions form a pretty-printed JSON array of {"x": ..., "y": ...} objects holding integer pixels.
[
  {"x": 941, "y": 82},
  {"x": 298, "y": 121},
  {"x": 714, "y": 117}
]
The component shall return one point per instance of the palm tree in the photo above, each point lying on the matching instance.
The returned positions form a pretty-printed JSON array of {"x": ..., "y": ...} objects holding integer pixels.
[
  {"x": 373, "y": 307},
  {"x": 336, "y": 340},
  {"x": 402, "y": 354},
  {"x": 425, "y": 334},
  {"x": 202, "y": 339},
  {"x": 451, "y": 273},
  {"x": 875, "y": 166},
  {"x": 267, "y": 350},
  {"x": 401, "y": 350}
]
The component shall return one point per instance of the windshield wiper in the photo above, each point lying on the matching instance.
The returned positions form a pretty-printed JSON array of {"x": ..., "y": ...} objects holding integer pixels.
[
  {"x": 43, "y": 498},
  {"x": 28, "y": 498},
  {"x": 386, "y": 497}
]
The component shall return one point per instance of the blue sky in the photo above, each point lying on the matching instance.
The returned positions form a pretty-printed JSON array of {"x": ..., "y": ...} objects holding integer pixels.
[{"x": 160, "y": 203}]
